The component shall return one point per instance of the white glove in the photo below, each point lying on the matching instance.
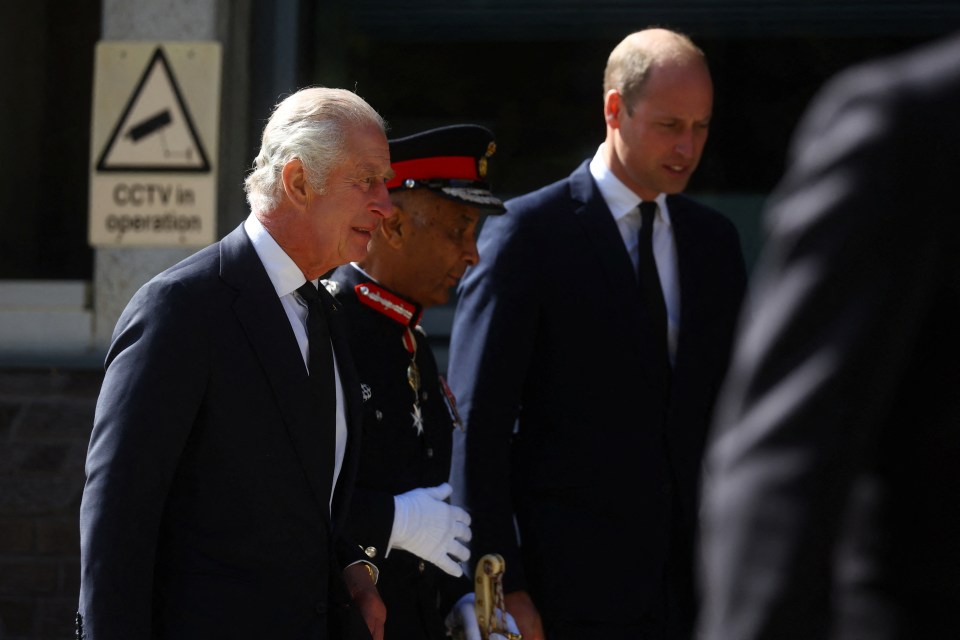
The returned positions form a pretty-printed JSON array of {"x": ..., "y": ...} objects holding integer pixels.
[
  {"x": 464, "y": 616},
  {"x": 429, "y": 528}
]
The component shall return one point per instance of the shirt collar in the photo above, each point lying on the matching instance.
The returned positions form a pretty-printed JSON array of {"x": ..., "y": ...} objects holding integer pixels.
[
  {"x": 618, "y": 196},
  {"x": 282, "y": 270}
]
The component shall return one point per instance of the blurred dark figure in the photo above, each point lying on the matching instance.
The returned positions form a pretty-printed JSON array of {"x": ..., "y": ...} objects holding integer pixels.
[{"x": 832, "y": 487}]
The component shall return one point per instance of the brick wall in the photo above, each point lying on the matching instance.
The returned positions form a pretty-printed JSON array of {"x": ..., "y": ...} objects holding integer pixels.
[{"x": 45, "y": 422}]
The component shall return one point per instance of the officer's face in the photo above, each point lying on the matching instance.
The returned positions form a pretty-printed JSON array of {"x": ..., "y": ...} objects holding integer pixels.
[{"x": 440, "y": 243}]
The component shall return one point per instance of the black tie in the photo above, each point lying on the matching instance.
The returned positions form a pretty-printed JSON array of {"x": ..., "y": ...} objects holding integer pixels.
[
  {"x": 320, "y": 365},
  {"x": 650, "y": 284}
]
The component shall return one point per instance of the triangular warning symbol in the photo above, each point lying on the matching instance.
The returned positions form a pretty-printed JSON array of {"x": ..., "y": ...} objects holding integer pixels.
[{"x": 155, "y": 132}]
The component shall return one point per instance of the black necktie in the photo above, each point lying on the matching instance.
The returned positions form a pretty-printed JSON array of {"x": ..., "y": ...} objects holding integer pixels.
[
  {"x": 320, "y": 365},
  {"x": 650, "y": 285}
]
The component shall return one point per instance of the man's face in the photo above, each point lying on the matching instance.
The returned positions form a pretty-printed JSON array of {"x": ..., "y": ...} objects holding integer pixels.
[
  {"x": 440, "y": 243},
  {"x": 341, "y": 220},
  {"x": 656, "y": 148}
]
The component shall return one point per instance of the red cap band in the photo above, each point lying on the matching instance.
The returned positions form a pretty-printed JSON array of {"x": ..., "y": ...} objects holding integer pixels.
[{"x": 441, "y": 167}]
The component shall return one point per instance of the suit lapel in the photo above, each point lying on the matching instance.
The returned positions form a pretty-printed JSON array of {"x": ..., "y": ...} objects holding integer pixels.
[
  {"x": 265, "y": 322},
  {"x": 593, "y": 214},
  {"x": 690, "y": 265},
  {"x": 601, "y": 229},
  {"x": 350, "y": 381}
]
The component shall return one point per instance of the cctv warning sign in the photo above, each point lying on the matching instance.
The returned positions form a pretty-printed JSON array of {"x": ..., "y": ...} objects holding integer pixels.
[{"x": 153, "y": 146}]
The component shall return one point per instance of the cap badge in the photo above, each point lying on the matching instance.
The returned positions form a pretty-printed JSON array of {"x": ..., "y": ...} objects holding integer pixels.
[{"x": 482, "y": 163}]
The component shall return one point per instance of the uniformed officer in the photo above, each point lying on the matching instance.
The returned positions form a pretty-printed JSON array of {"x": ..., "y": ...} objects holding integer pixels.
[{"x": 400, "y": 512}]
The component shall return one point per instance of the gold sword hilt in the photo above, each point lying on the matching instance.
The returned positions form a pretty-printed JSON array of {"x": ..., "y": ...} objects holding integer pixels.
[{"x": 488, "y": 584}]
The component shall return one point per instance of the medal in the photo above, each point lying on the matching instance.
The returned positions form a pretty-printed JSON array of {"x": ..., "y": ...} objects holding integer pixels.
[
  {"x": 417, "y": 419},
  {"x": 451, "y": 403},
  {"x": 413, "y": 377}
]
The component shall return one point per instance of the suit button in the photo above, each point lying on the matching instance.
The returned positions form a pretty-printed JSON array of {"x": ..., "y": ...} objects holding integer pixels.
[
  {"x": 421, "y": 567},
  {"x": 371, "y": 552},
  {"x": 423, "y": 396},
  {"x": 321, "y": 608},
  {"x": 378, "y": 414},
  {"x": 430, "y": 452}
]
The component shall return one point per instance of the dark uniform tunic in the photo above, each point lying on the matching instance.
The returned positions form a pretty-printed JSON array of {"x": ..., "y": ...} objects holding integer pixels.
[{"x": 400, "y": 450}]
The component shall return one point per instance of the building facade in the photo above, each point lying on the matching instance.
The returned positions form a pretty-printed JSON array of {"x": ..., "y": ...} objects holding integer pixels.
[{"x": 531, "y": 70}]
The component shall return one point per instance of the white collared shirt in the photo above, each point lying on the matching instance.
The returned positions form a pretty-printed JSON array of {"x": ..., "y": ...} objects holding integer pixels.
[
  {"x": 287, "y": 278},
  {"x": 623, "y": 203}
]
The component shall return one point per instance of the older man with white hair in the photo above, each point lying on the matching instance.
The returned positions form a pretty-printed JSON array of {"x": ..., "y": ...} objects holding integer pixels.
[{"x": 225, "y": 438}]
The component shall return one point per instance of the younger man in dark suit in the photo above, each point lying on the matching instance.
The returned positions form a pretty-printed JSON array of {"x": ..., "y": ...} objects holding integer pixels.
[
  {"x": 585, "y": 355},
  {"x": 221, "y": 462}
]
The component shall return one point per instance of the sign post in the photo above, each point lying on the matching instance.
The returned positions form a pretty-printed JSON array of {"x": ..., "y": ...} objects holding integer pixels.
[{"x": 155, "y": 134}]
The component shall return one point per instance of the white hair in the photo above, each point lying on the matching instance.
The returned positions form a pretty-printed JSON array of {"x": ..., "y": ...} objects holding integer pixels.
[{"x": 311, "y": 125}]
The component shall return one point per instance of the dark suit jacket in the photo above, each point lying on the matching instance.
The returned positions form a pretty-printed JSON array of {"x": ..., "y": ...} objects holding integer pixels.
[
  {"x": 546, "y": 335},
  {"x": 394, "y": 459},
  {"x": 205, "y": 510},
  {"x": 832, "y": 501}
]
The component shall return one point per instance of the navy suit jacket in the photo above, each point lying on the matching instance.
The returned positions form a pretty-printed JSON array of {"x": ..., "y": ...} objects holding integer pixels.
[
  {"x": 205, "y": 511},
  {"x": 546, "y": 337},
  {"x": 833, "y": 509}
]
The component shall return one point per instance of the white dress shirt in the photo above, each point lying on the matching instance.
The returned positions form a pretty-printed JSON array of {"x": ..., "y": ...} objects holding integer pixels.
[
  {"x": 287, "y": 278},
  {"x": 623, "y": 203}
]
